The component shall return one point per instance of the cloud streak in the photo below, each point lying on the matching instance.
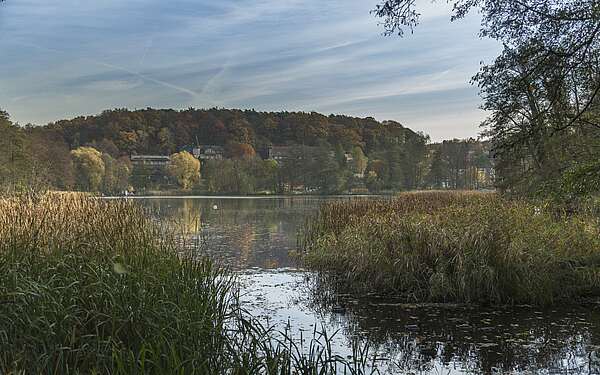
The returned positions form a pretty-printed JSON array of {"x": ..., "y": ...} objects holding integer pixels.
[{"x": 68, "y": 58}]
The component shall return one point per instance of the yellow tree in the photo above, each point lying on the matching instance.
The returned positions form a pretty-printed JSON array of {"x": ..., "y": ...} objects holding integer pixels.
[
  {"x": 185, "y": 168},
  {"x": 89, "y": 168}
]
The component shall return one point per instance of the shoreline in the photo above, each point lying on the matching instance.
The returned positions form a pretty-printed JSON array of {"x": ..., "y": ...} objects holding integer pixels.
[{"x": 243, "y": 196}]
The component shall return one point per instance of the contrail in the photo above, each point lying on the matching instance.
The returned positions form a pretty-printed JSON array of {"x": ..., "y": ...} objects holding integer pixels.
[
  {"x": 192, "y": 93},
  {"x": 215, "y": 78}
]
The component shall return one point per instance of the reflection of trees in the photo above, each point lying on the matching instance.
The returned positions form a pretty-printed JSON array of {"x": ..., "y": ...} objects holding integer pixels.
[
  {"x": 184, "y": 215},
  {"x": 482, "y": 340},
  {"x": 243, "y": 243},
  {"x": 241, "y": 232}
]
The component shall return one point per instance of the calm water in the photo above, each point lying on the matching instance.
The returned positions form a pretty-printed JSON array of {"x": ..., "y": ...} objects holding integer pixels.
[{"x": 256, "y": 235}]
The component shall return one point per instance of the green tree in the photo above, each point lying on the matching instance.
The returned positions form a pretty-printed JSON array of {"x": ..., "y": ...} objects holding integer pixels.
[
  {"x": 89, "y": 168},
  {"x": 51, "y": 162},
  {"x": 326, "y": 174},
  {"x": 542, "y": 92},
  {"x": 14, "y": 156},
  {"x": 269, "y": 175},
  {"x": 437, "y": 177},
  {"x": 116, "y": 175},
  {"x": 373, "y": 182},
  {"x": 296, "y": 168},
  {"x": 185, "y": 168},
  {"x": 165, "y": 141},
  {"x": 142, "y": 177},
  {"x": 393, "y": 158},
  {"x": 229, "y": 176}
]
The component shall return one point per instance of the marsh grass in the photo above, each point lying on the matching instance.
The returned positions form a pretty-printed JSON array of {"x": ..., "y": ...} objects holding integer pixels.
[
  {"x": 455, "y": 247},
  {"x": 93, "y": 286}
]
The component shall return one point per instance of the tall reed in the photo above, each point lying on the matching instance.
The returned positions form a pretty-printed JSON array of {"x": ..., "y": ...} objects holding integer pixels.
[
  {"x": 89, "y": 286},
  {"x": 459, "y": 247}
]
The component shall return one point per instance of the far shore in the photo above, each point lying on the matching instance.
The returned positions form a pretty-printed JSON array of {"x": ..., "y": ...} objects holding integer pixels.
[{"x": 265, "y": 196}]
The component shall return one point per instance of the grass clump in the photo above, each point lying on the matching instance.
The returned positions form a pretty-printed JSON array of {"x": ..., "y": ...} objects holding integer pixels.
[
  {"x": 89, "y": 286},
  {"x": 455, "y": 247},
  {"x": 93, "y": 286}
]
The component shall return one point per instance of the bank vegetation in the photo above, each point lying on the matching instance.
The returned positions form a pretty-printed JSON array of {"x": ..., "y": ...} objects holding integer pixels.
[
  {"x": 89, "y": 286},
  {"x": 456, "y": 247}
]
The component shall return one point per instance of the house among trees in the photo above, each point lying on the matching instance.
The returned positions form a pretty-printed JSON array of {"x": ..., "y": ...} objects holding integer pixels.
[
  {"x": 150, "y": 160},
  {"x": 149, "y": 171},
  {"x": 209, "y": 152},
  {"x": 282, "y": 153},
  {"x": 279, "y": 153}
]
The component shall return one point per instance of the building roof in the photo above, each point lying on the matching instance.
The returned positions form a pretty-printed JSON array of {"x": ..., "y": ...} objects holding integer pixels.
[
  {"x": 150, "y": 157},
  {"x": 212, "y": 147}
]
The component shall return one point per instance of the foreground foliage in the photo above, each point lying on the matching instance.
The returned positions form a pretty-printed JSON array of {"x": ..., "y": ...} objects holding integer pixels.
[
  {"x": 91, "y": 286},
  {"x": 461, "y": 247}
]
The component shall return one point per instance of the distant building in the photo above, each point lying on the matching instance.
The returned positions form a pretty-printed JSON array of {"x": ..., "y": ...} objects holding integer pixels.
[
  {"x": 150, "y": 160},
  {"x": 149, "y": 171},
  {"x": 281, "y": 153},
  {"x": 209, "y": 152}
]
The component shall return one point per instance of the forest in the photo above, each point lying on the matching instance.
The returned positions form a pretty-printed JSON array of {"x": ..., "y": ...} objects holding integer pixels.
[{"x": 321, "y": 154}]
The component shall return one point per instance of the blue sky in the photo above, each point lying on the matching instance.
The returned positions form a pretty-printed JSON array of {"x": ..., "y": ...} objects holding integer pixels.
[{"x": 66, "y": 58}]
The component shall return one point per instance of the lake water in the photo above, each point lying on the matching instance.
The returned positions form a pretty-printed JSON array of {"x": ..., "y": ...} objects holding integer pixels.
[{"x": 255, "y": 236}]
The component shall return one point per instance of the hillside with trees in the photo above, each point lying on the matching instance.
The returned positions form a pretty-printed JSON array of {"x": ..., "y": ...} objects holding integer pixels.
[{"x": 262, "y": 152}]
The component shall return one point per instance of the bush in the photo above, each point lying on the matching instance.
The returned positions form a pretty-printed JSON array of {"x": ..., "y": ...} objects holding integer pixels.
[{"x": 455, "y": 247}]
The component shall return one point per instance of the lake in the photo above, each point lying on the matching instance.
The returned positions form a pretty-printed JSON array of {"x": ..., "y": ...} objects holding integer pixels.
[{"x": 256, "y": 237}]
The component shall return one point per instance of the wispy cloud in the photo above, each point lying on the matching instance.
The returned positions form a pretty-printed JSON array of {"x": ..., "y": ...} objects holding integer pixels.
[
  {"x": 69, "y": 57},
  {"x": 147, "y": 78}
]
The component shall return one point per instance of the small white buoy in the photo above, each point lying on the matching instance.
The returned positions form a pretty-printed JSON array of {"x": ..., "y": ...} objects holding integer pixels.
[{"x": 215, "y": 207}]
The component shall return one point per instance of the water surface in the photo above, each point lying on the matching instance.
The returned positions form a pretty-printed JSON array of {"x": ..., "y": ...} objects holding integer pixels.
[{"x": 256, "y": 237}]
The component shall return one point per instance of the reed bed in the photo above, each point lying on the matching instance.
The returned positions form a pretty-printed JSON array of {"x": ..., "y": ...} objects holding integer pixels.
[
  {"x": 89, "y": 286},
  {"x": 455, "y": 247}
]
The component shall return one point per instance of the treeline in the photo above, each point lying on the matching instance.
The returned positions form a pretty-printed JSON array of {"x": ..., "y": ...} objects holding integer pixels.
[
  {"x": 123, "y": 132},
  {"x": 33, "y": 157},
  {"x": 325, "y": 154}
]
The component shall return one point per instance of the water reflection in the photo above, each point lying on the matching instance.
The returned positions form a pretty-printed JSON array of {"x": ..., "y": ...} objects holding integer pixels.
[
  {"x": 482, "y": 340},
  {"x": 433, "y": 339},
  {"x": 243, "y": 233},
  {"x": 259, "y": 233}
]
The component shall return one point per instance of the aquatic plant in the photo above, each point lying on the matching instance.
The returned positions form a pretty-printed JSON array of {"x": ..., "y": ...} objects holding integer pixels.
[
  {"x": 458, "y": 247},
  {"x": 94, "y": 286}
]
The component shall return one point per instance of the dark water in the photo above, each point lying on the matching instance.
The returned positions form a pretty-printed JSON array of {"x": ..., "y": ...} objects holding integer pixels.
[{"x": 256, "y": 235}]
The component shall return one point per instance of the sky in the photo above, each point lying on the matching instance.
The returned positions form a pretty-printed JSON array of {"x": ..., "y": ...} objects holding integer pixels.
[{"x": 67, "y": 58}]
